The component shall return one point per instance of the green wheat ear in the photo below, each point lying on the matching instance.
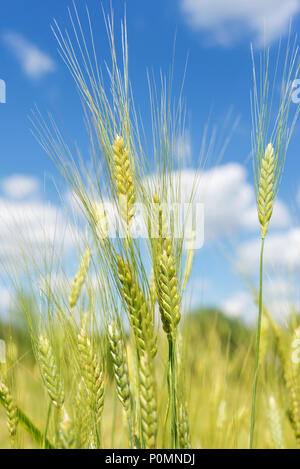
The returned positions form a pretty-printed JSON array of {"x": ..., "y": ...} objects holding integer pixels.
[
  {"x": 119, "y": 359},
  {"x": 79, "y": 278},
  {"x": 168, "y": 297},
  {"x": 91, "y": 371},
  {"x": 292, "y": 377},
  {"x": 11, "y": 411},
  {"x": 148, "y": 402},
  {"x": 124, "y": 180},
  {"x": 275, "y": 424},
  {"x": 49, "y": 372},
  {"x": 141, "y": 317},
  {"x": 266, "y": 194}
]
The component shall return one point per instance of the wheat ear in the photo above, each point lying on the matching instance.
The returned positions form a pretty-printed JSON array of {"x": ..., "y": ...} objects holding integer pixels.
[
  {"x": 168, "y": 298},
  {"x": 82, "y": 409},
  {"x": 268, "y": 173},
  {"x": 100, "y": 220},
  {"x": 183, "y": 427},
  {"x": 266, "y": 194},
  {"x": 66, "y": 430},
  {"x": 124, "y": 180},
  {"x": 141, "y": 317},
  {"x": 49, "y": 372},
  {"x": 152, "y": 291},
  {"x": 119, "y": 359},
  {"x": 79, "y": 278},
  {"x": 11, "y": 411},
  {"x": 275, "y": 424},
  {"x": 159, "y": 226},
  {"x": 148, "y": 406},
  {"x": 292, "y": 377},
  {"x": 92, "y": 372}
]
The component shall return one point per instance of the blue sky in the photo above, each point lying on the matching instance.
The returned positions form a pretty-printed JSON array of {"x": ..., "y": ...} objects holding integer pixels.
[{"x": 215, "y": 35}]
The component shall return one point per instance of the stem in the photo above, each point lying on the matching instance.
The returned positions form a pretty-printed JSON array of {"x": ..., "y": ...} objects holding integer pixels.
[
  {"x": 130, "y": 431},
  {"x": 164, "y": 436},
  {"x": 260, "y": 309},
  {"x": 47, "y": 425},
  {"x": 174, "y": 430},
  {"x": 113, "y": 432}
]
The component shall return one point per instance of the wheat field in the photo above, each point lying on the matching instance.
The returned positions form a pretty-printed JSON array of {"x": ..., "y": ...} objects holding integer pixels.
[{"x": 111, "y": 355}]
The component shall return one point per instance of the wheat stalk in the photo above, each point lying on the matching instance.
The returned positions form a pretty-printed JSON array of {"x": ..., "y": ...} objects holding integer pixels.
[
  {"x": 189, "y": 259},
  {"x": 269, "y": 163}
]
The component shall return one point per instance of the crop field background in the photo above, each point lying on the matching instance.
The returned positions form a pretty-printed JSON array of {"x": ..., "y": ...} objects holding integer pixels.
[{"x": 149, "y": 225}]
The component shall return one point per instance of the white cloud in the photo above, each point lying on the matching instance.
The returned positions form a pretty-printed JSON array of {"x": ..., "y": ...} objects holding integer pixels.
[
  {"x": 33, "y": 61},
  {"x": 240, "y": 305},
  {"x": 227, "y": 21},
  {"x": 19, "y": 186},
  {"x": 32, "y": 228},
  {"x": 5, "y": 299},
  {"x": 282, "y": 252},
  {"x": 229, "y": 201},
  {"x": 278, "y": 297}
]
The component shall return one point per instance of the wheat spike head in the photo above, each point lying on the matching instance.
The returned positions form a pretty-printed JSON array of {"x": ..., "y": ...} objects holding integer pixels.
[
  {"x": 266, "y": 194},
  {"x": 66, "y": 438},
  {"x": 184, "y": 431},
  {"x": 159, "y": 230},
  {"x": 11, "y": 410},
  {"x": 152, "y": 291},
  {"x": 141, "y": 317},
  {"x": 168, "y": 297},
  {"x": 79, "y": 278},
  {"x": 117, "y": 350},
  {"x": 100, "y": 220},
  {"x": 49, "y": 372},
  {"x": 124, "y": 180},
  {"x": 82, "y": 422},
  {"x": 148, "y": 402},
  {"x": 275, "y": 424},
  {"x": 92, "y": 372},
  {"x": 292, "y": 377}
]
